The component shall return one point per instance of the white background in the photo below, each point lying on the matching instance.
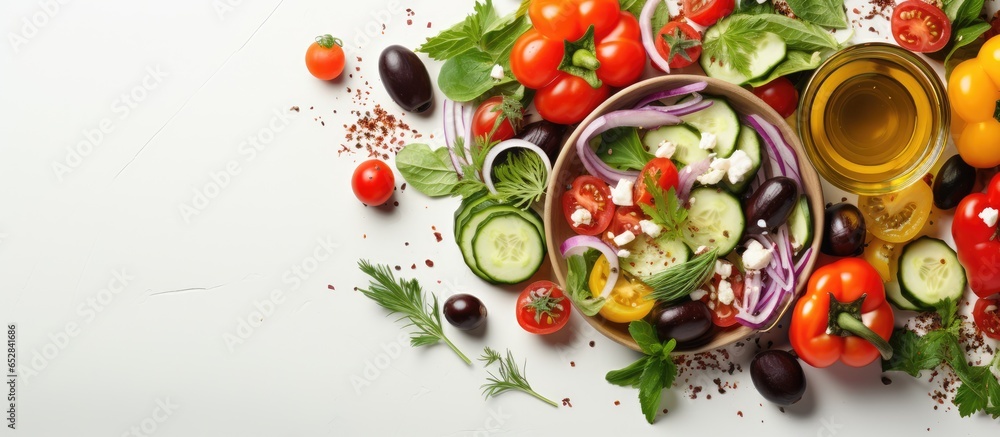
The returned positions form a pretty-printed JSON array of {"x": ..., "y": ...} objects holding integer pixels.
[{"x": 319, "y": 361}]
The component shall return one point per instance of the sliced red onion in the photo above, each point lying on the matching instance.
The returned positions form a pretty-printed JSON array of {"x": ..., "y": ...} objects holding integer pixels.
[
  {"x": 646, "y": 29},
  {"x": 625, "y": 118},
  {"x": 579, "y": 244},
  {"x": 463, "y": 114},
  {"x": 691, "y": 88},
  {"x": 778, "y": 149},
  {"x": 505, "y": 145},
  {"x": 752, "y": 289},
  {"x": 761, "y": 318},
  {"x": 800, "y": 265},
  {"x": 682, "y": 109},
  {"x": 689, "y": 175},
  {"x": 450, "y": 135}
]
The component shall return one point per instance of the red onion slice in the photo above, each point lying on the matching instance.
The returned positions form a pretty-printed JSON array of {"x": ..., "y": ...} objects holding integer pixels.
[
  {"x": 646, "y": 29},
  {"x": 579, "y": 244},
  {"x": 625, "y": 118},
  {"x": 689, "y": 175},
  {"x": 505, "y": 145},
  {"x": 783, "y": 160},
  {"x": 691, "y": 88}
]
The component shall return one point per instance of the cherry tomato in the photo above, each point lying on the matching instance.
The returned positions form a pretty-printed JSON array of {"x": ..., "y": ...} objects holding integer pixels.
[
  {"x": 627, "y": 28},
  {"x": 565, "y": 20},
  {"x": 325, "y": 57},
  {"x": 679, "y": 44},
  {"x": 592, "y": 194},
  {"x": 569, "y": 99},
  {"x": 707, "y": 12},
  {"x": 373, "y": 182},
  {"x": 627, "y": 58},
  {"x": 987, "y": 318},
  {"x": 920, "y": 27},
  {"x": 627, "y": 219},
  {"x": 724, "y": 315},
  {"x": 627, "y": 301},
  {"x": 663, "y": 172},
  {"x": 535, "y": 59},
  {"x": 485, "y": 119},
  {"x": 897, "y": 217},
  {"x": 542, "y": 308},
  {"x": 779, "y": 94}
]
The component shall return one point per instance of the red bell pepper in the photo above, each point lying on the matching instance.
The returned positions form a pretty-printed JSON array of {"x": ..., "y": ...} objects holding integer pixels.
[
  {"x": 842, "y": 316},
  {"x": 977, "y": 241},
  {"x": 574, "y": 52}
]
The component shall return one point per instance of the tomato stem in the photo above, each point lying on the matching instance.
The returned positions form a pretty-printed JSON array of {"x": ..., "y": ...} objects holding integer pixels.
[
  {"x": 848, "y": 323},
  {"x": 584, "y": 58},
  {"x": 328, "y": 41}
]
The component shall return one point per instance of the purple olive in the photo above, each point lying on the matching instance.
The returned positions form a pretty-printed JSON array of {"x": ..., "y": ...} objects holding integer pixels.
[
  {"x": 465, "y": 311},
  {"x": 845, "y": 231},
  {"x": 690, "y": 323},
  {"x": 778, "y": 377},
  {"x": 770, "y": 204}
]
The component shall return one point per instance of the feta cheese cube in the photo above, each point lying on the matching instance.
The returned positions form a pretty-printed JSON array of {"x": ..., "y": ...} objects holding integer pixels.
[
  {"x": 989, "y": 216},
  {"x": 712, "y": 177},
  {"x": 756, "y": 256},
  {"x": 621, "y": 194},
  {"x": 740, "y": 166},
  {"x": 650, "y": 228},
  {"x": 581, "y": 217},
  {"x": 666, "y": 149},
  {"x": 497, "y": 72},
  {"x": 708, "y": 141},
  {"x": 726, "y": 295},
  {"x": 723, "y": 268},
  {"x": 624, "y": 253},
  {"x": 698, "y": 294},
  {"x": 624, "y": 238}
]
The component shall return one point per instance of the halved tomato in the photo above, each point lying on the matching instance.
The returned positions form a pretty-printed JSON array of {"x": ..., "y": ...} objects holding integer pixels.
[
  {"x": 920, "y": 27},
  {"x": 897, "y": 217},
  {"x": 593, "y": 195},
  {"x": 987, "y": 318},
  {"x": 663, "y": 172},
  {"x": 707, "y": 12},
  {"x": 724, "y": 314},
  {"x": 627, "y": 302},
  {"x": 627, "y": 219}
]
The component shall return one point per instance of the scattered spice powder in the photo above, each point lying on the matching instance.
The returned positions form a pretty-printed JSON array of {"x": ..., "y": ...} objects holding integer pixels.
[{"x": 566, "y": 403}]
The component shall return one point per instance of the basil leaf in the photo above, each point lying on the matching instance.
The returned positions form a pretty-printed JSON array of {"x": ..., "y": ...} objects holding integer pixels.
[
  {"x": 622, "y": 149},
  {"x": 798, "y": 34},
  {"x": 829, "y": 13},
  {"x": 448, "y": 44},
  {"x": 577, "y": 288},
  {"x": 500, "y": 41},
  {"x": 965, "y": 36},
  {"x": 963, "y": 12},
  {"x": 429, "y": 172},
  {"x": 628, "y": 376},
  {"x": 661, "y": 16},
  {"x": 753, "y": 7},
  {"x": 467, "y": 76},
  {"x": 795, "y": 61},
  {"x": 651, "y": 384},
  {"x": 645, "y": 336}
]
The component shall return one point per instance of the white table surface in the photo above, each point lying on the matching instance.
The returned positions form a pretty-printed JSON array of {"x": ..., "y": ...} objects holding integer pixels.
[{"x": 134, "y": 312}]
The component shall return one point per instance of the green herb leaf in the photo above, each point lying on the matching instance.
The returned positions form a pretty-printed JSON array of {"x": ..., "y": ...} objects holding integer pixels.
[
  {"x": 489, "y": 356},
  {"x": 406, "y": 297},
  {"x": 467, "y": 76},
  {"x": 472, "y": 183},
  {"x": 621, "y": 148},
  {"x": 965, "y": 36},
  {"x": 511, "y": 377},
  {"x": 652, "y": 373},
  {"x": 798, "y": 34},
  {"x": 753, "y": 7},
  {"x": 909, "y": 354},
  {"x": 661, "y": 16},
  {"x": 499, "y": 41},
  {"x": 795, "y": 61},
  {"x": 651, "y": 384},
  {"x": 645, "y": 336},
  {"x": 666, "y": 209},
  {"x": 829, "y": 13},
  {"x": 578, "y": 270},
  {"x": 735, "y": 44},
  {"x": 680, "y": 280},
  {"x": 974, "y": 393},
  {"x": 963, "y": 12},
  {"x": 947, "y": 309},
  {"x": 429, "y": 172},
  {"x": 629, "y": 375},
  {"x": 448, "y": 44},
  {"x": 633, "y": 7},
  {"x": 522, "y": 180}
]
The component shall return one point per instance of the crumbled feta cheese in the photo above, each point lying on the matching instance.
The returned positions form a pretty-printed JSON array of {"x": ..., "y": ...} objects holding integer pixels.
[
  {"x": 497, "y": 73},
  {"x": 611, "y": 235},
  {"x": 761, "y": 223},
  {"x": 739, "y": 166},
  {"x": 756, "y": 256},
  {"x": 698, "y": 294},
  {"x": 726, "y": 295},
  {"x": 700, "y": 250},
  {"x": 716, "y": 171},
  {"x": 666, "y": 149},
  {"x": 624, "y": 238},
  {"x": 581, "y": 217},
  {"x": 723, "y": 268},
  {"x": 650, "y": 228},
  {"x": 621, "y": 195},
  {"x": 708, "y": 141},
  {"x": 989, "y": 216},
  {"x": 624, "y": 253}
]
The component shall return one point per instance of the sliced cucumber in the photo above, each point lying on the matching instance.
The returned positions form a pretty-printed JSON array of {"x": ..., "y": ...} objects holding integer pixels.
[
  {"x": 800, "y": 225},
  {"x": 719, "y": 119},
  {"x": 508, "y": 248},
  {"x": 769, "y": 51},
  {"x": 683, "y": 137},
  {"x": 649, "y": 256},
  {"x": 715, "y": 220},
  {"x": 929, "y": 272},
  {"x": 749, "y": 143},
  {"x": 477, "y": 215},
  {"x": 896, "y": 298},
  {"x": 465, "y": 208}
]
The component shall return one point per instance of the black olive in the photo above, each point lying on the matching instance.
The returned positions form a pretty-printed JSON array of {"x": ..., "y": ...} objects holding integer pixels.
[
  {"x": 845, "y": 231},
  {"x": 778, "y": 377},
  {"x": 953, "y": 182},
  {"x": 770, "y": 204},
  {"x": 405, "y": 78},
  {"x": 690, "y": 323},
  {"x": 465, "y": 311},
  {"x": 546, "y": 135}
]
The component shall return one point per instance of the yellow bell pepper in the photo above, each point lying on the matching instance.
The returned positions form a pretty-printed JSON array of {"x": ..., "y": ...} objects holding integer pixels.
[{"x": 974, "y": 91}]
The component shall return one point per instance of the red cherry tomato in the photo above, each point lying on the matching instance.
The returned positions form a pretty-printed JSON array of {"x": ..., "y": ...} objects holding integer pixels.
[
  {"x": 679, "y": 44},
  {"x": 542, "y": 308},
  {"x": 373, "y": 182},
  {"x": 663, "y": 172},
  {"x": 569, "y": 99},
  {"x": 627, "y": 218},
  {"x": 569, "y": 20},
  {"x": 325, "y": 57},
  {"x": 724, "y": 315},
  {"x": 707, "y": 12},
  {"x": 485, "y": 119},
  {"x": 627, "y": 56},
  {"x": 592, "y": 194},
  {"x": 535, "y": 59},
  {"x": 779, "y": 94},
  {"x": 987, "y": 318},
  {"x": 920, "y": 27}
]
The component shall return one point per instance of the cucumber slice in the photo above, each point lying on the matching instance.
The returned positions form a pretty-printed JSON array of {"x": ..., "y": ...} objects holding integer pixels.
[
  {"x": 467, "y": 229},
  {"x": 465, "y": 208},
  {"x": 896, "y": 298},
  {"x": 749, "y": 143},
  {"x": 929, "y": 272},
  {"x": 800, "y": 225},
  {"x": 683, "y": 137},
  {"x": 714, "y": 220},
  {"x": 508, "y": 248},
  {"x": 769, "y": 51},
  {"x": 649, "y": 256},
  {"x": 719, "y": 119}
]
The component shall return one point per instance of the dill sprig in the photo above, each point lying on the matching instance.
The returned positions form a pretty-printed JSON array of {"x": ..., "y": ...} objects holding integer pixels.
[
  {"x": 522, "y": 180},
  {"x": 511, "y": 378},
  {"x": 680, "y": 280},
  {"x": 407, "y": 298},
  {"x": 489, "y": 356}
]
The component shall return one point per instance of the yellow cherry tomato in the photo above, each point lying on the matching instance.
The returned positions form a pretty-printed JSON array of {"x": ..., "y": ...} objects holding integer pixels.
[
  {"x": 627, "y": 302},
  {"x": 883, "y": 256},
  {"x": 972, "y": 92},
  {"x": 979, "y": 144},
  {"x": 989, "y": 56}
]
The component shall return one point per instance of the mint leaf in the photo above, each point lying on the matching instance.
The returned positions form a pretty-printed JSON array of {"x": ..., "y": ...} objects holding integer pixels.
[
  {"x": 628, "y": 376},
  {"x": 973, "y": 394},
  {"x": 429, "y": 172},
  {"x": 829, "y": 13},
  {"x": 644, "y": 335},
  {"x": 910, "y": 353},
  {"x": 651, "y": 384},
  {"x": 621, "y": 148},
  {"x": 577, "y": 288}
]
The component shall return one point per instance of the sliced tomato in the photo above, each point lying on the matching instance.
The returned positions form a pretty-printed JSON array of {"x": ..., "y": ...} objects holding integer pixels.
[
  {"x": 663, "y": 172},
  {"x": 679, "y": 44},
  {"x": 724, "y": 314},
  {"x": 920, "y": 27},
  {"x": 627, "y": 219},
  {"x": 542, "y": 308},
  {"x": 627, "y": 301},
  {"x": 987, "y": 317},
  {"x": 593, "y": 195},
  {"x": 707, "y": 12}
]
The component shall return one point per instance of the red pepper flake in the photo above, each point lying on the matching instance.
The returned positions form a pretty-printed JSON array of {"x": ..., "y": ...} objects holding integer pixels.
[
  {"x": 566, "y": 403},
  {"x": 428, "y": 24},
  {"x": 398, "y": 268},
  {"x": 781, "y": 409},
  {"x": 294, "y": 108},
  {"x": 592, "y": 343},
  {"x": 886, "y": 380},
  {"x": 739, "y": 413},
  {"x": 437, "y": 235},
  {"x": 364, "y": 236},
  {"x": 617, "y": 403},
  {"x": 665, "y": 411},
  {"x": 409, "y": 22},
  {"x": 375, "y": 132},
  {"x": 429, "y": 263},
  {"x": 331, "y": 287},
  {"x": 395, "y": 203},
  {"x": 572, "y": 363},
  {"x": 413, "y": 267},
  {"x": 402, "y": 187}
]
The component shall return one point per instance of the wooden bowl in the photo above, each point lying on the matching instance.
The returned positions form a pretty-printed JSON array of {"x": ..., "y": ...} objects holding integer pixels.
[{"x": 568, "y": 166}]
